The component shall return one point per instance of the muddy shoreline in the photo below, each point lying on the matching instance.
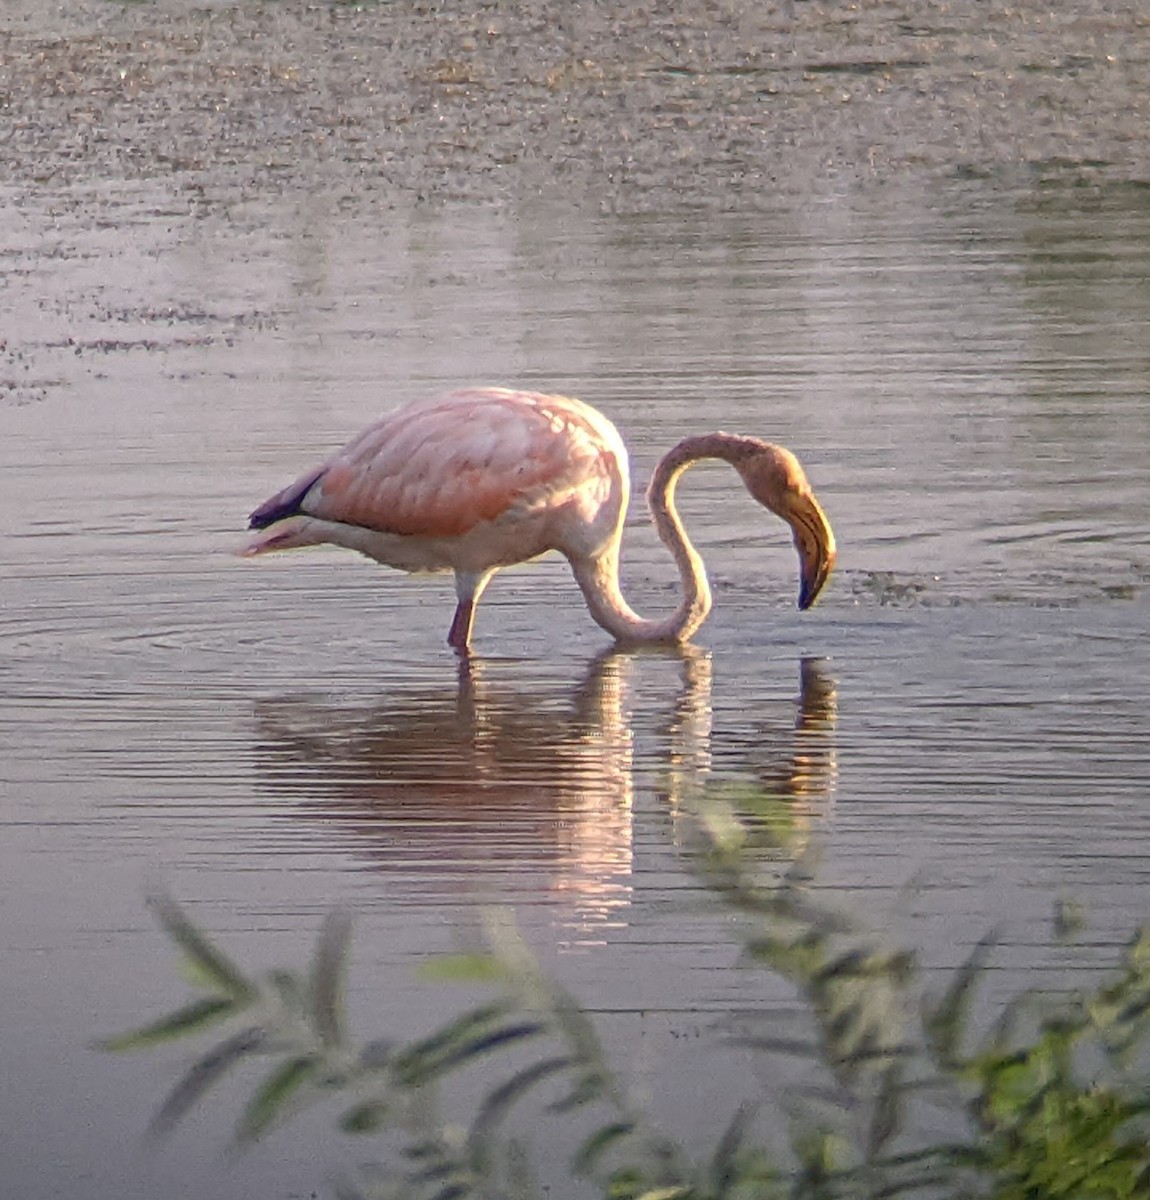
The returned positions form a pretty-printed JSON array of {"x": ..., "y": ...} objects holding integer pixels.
[{"x": 630, "y": 107}]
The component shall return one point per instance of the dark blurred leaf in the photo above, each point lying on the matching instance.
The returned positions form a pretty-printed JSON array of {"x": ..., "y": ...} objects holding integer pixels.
[
  {"x": 599, "y": 1144},
  {"x": 1005, "y": 1027},
  {"x": 377, "y": 1053},
  {"x": 819, "y": 1152},
  {"x": 411, "y": 1062},
  {"x": 211, "y": 968},
  {"x": 794, "y": 1047},
  {"x": 192, "y": 1019},
  {"x": 928, "y": 1184},
  {"x": 724, "y": 1166},
  {"x": 290, "y": 991},
  {"x": 1127, "y": 1024},
  {"x": 428, "y": 1150},
  {"x": 577, "y": 1029},
  {"x": 367, "y": 1117},
  {"x": 208, "y": 1071},
  {"x": 1068, "y": 918},
  {"x": 886, "y": 1116},
  {"x": 474, "y": 1034},
  {"x": 326, "y": 983},
  {"x": 443, "y": 1168},
  {"x": 856, "y": 962},
  {"x": 945, "y": 1021},
  {"x": 591, "y": 1085},
  {"x": 347, "y": 1189},
  {"x": 453, "y": 1190},
  {"x": 477, "y": 1046},
  {"x": 497, "y": 1103},
  {"x": 273, "y": 1096}
]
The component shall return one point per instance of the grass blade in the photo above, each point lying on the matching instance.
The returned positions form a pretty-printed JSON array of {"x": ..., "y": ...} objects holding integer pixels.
[
  {"x": 724, "y": 1166},
  {"x": 366, "y": 1117},
  {"x": 473, "y": 1034},
  {"x": 598, "y": 1144},
  {"x": 329, "y": 971},
  {"x": 497, "y": 1103},
  {"x": 211, "y": 968},
  {"x": 464, "y": 968},
  {"x": 273, "y": 1096},
  {"x": 945, "y": 1021},
  {"x": 207, "y": 1072},
  {"x": 191, "y": 1019},
  {"x": 886, "y": 1118},
  {"x": 494, "y": 1040}
]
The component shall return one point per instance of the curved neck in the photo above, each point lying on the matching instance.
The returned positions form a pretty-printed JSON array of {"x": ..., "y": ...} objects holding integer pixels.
[{"x": 599, "y": 577}]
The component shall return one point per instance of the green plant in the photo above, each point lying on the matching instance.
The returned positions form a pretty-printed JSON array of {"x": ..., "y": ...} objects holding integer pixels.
[
  {"x": 1059, "y": 1111},
  {"x": 1050, "y": 1098}
]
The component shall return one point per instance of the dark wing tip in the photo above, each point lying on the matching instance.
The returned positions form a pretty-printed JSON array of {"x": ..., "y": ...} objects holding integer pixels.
[{"x": 283, "y": 504}]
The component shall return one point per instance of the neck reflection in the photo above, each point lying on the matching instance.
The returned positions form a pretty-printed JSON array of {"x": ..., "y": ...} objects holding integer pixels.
[{"x": 492, "y": 788}]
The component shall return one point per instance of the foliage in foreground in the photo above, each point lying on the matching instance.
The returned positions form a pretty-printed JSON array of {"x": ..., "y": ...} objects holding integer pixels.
[{"x": 1051, "y": 1097}]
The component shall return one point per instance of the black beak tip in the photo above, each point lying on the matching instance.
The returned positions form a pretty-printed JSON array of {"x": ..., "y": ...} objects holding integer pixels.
[{"x": 811, "y": 589}]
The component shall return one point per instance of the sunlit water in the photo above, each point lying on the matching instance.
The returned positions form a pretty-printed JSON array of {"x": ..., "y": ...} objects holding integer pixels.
[{"x": 957, "y": 733}]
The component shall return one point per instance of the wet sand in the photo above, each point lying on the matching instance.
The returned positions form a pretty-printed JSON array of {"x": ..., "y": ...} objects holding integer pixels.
[{"x": 631, "y": 107}]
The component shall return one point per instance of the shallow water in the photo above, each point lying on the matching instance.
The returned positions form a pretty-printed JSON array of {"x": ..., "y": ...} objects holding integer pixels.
[{"x": 958, "y": 730}]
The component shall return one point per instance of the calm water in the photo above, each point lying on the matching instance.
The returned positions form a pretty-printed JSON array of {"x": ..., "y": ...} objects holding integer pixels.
[{"x": 960, "y": 726}]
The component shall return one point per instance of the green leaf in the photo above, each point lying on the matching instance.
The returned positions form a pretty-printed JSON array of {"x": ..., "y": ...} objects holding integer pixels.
[
  {"x": 473, "y": 1034},
  {"x": 591, "y": 1085},
  {"x": 367, "y": 1117},
  {"x": 792, "y": 1047},
  {"x": 724, "y": 1165},
  {"x": 598, "y": 1144},
  {"x": 209, "y": 968},
  {"x": 944, "y": 1022},
  {"x": 477, "y": 1046},
  {"x": 207, "y": 1072},
  {"x": 1069, "y": 920},
  {"x": 191, "y": 1019},
  {"x": 291, "y": 993},
  {"x": 886, "y": 1117},
  {"x": 497, "y": 1103},
  {"x": 273, "y": 1096},
  {"x": 377, "y": 1054},
  {"x": 574, "y": 1025},
  {"x": 329, "y": 971},
  {"x": 454, "y": 1190},
  {"x": 464, "y": 968}
]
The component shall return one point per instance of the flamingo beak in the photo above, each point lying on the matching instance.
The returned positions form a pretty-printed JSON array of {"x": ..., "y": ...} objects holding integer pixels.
[{"x": 815, "y": 543}]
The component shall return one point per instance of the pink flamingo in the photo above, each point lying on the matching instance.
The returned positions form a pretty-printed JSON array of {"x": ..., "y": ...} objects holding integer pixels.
[{"x": 483, "y": 478}]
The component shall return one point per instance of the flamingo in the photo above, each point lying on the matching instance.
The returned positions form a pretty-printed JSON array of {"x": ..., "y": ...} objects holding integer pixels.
[{"x": 483, "y": 478}]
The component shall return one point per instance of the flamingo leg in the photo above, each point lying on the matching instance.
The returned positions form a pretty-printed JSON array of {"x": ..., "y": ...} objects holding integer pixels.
[
  {"x": 468, "y": 588},
  {"x": 459, "y": 636}
]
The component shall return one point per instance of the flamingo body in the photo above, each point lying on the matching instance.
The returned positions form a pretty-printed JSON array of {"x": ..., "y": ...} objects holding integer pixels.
[
  {"x": 486, "y": 477},
  {"x": 471, "y": 481}
]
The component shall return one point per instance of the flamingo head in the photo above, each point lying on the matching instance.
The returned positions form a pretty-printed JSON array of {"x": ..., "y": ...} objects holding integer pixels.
[{"x": 775, "y": 478}]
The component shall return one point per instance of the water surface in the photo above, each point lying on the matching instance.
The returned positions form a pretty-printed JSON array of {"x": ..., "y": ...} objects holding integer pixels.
[{"x": 958, "y": 729}]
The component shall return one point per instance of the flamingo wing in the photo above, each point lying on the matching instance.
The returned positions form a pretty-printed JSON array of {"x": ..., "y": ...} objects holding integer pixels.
[{"x": 440, "y": 468}]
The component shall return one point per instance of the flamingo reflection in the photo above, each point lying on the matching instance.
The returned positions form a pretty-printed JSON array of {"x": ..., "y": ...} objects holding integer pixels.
[
  {"x": 778, "y": 768},
  {"x": 494, "y": 789}
]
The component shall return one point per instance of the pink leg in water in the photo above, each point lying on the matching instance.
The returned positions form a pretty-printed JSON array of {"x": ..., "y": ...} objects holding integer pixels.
[
  {"x": 468, "y": 588},
  {"x": 459, "y": 636}
]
